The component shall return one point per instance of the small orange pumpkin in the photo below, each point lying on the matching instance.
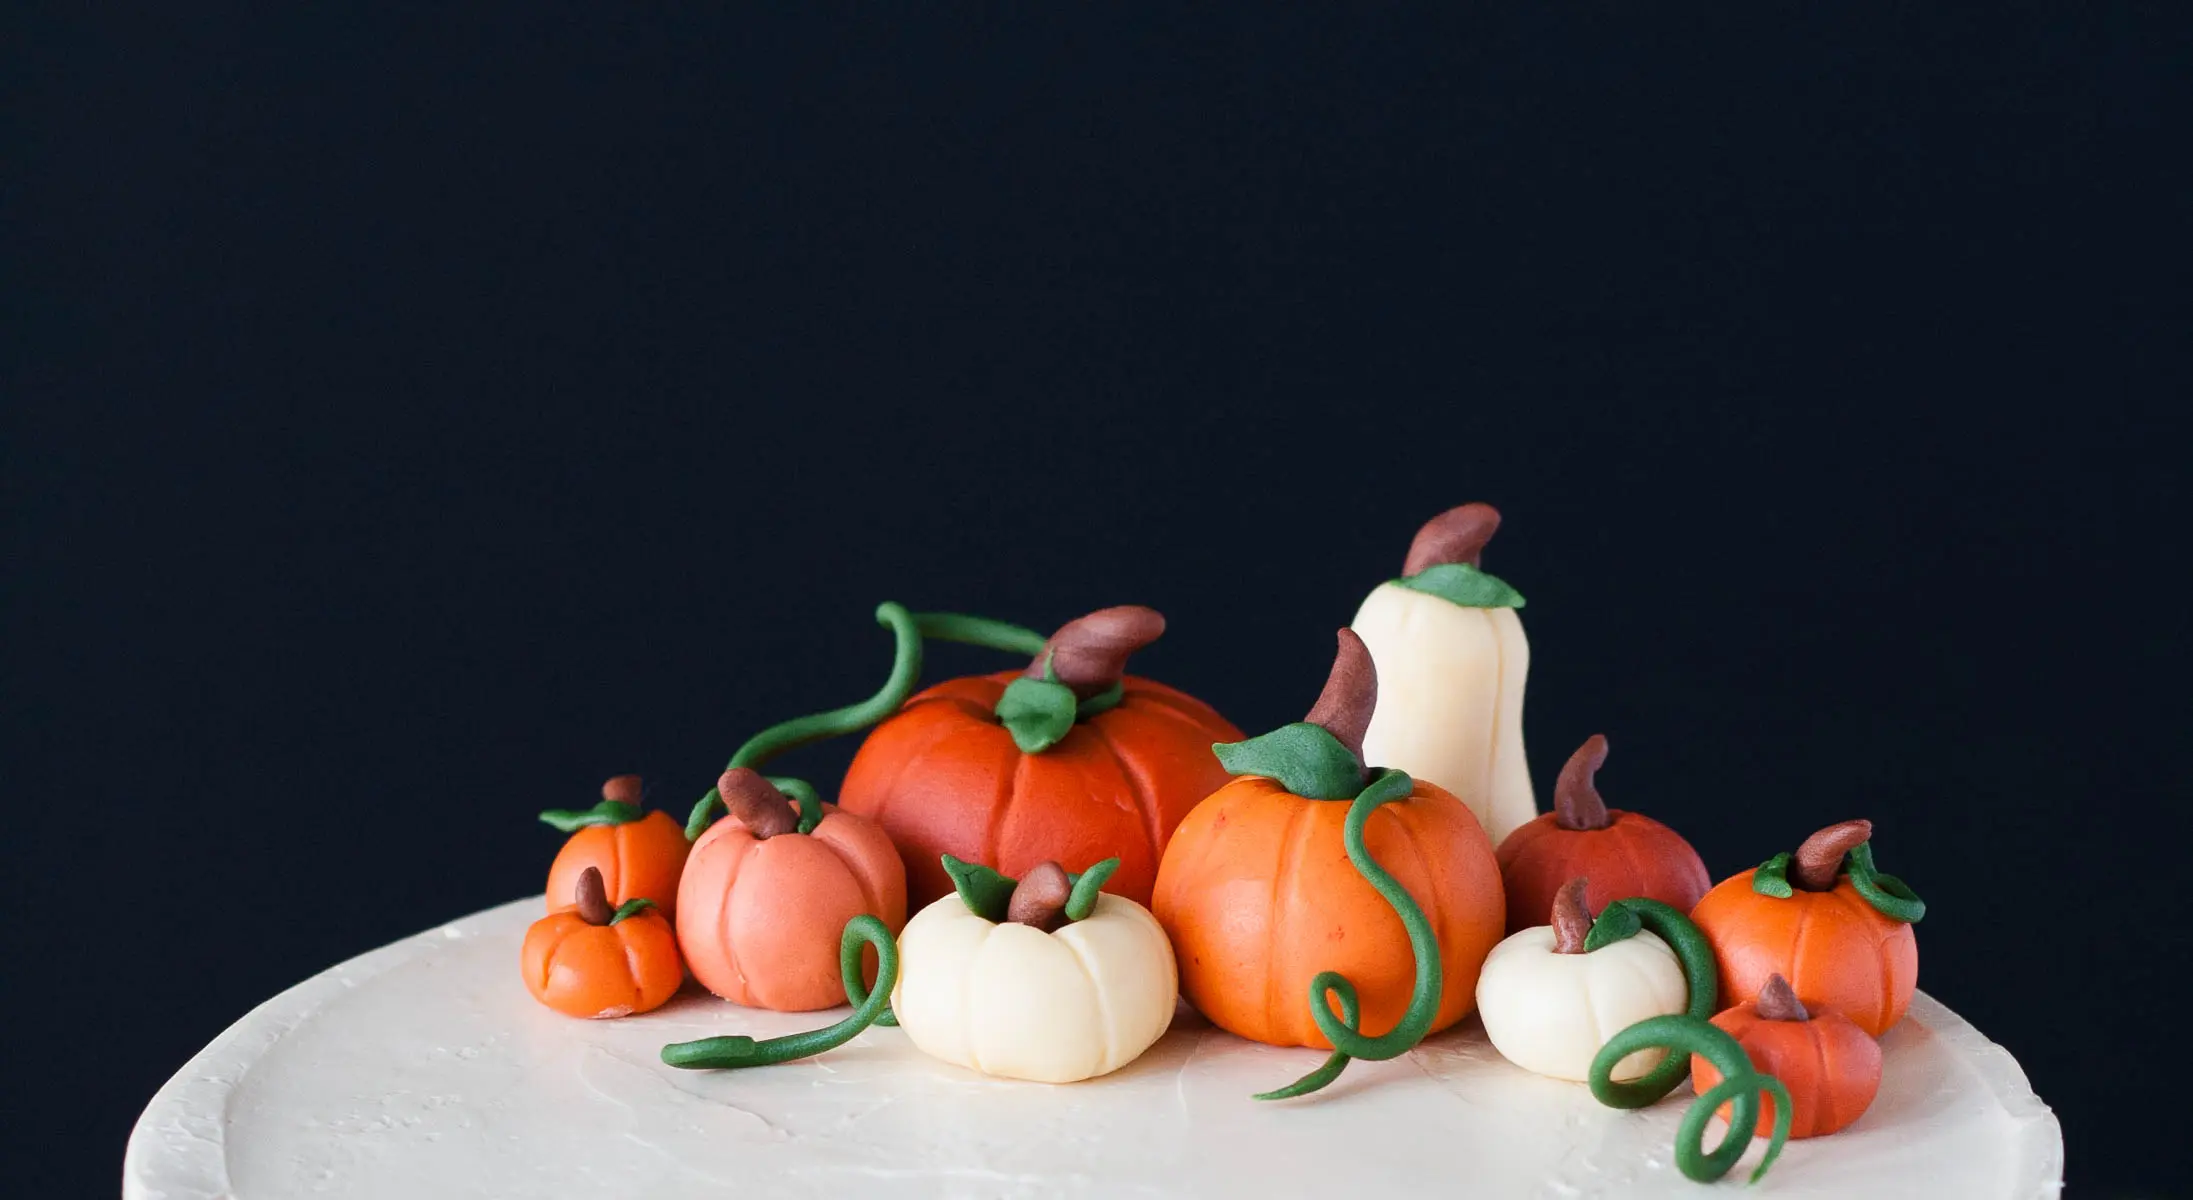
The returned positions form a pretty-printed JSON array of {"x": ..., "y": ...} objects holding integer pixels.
[
  {"x": 594, "y": 960},
  {"x": 1825, "y": 920},
  {"x": 639, "y": 857},
  {"x": 1069, "y": 760},
  {"x": 1269, "y": 905},
  {"x": 769, "y": 889},
  {"x": 1623, "y": 854},
  {"x": 1831, "y": 1067}
]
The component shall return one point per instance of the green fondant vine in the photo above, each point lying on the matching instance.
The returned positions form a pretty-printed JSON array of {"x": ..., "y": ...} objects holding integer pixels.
[
  {"x": 1683, "y": 1035},
  {"x": 1329, "y": 987},
  {"x": 608, "y": 812},
  {"x": 725, "y": 1053}
]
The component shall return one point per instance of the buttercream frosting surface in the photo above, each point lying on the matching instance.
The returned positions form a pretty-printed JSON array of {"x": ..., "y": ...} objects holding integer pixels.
[{"x": 424, "y": 1070}]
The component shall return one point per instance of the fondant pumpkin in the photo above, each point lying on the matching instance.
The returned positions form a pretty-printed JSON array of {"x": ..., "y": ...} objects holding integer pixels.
[
  {"x": 1825, "y": 920},
  {"x": 1043, "y": 978},
  {"x": 1623, "y": 854},
  {"x": 1549, "y": 997},
  {"x": 1023, "y": 994},
  {"x": 1308, "y": 878},
  {"x": 1068, "y": 760},
  {"x": 640, "y": 856},
  {"x": 769, "y": 888},
  {"x": 1451, "y": 663},
  {"x": 1831, "y": 1067},
  {"x": 590, "y": 959}
]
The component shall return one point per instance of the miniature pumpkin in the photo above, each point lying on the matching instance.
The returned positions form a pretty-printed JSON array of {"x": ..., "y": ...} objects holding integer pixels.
[
  {"x": 1018, "y": 985},
  {"x": 768, "y": 890},
  {"x": 1067, "y": 760},
  {"x": 770, "y": 887},
  {"x": 1043, "y": 978},
  {"x": 1825, "y": 920},
  {"x": 1624, "y": 854},
  {"x": 592, "y": 960},
  {"x": 1311, "y": 878},
  {"x": 1451, "y": 663},
  {"x": 1831, "y": 1067},
  {"x": 1547, "y": 992},
  {"x": 639, "y": 857}
]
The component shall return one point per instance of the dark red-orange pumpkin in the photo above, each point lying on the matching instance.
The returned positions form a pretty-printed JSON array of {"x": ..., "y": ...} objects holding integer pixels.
[
  {"x": 1623, "y": 854},
  {"x": 949, "y": 774}
]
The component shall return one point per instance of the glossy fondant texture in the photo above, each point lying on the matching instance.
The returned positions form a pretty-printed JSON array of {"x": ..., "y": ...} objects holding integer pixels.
[{"x": 1549, "y": 1013}]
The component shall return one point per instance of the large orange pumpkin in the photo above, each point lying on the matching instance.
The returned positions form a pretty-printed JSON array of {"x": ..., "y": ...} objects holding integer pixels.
[
  {"x": 589, "y": 959},
  {"x": 1831, "y": 1067},
  {"x": 639, "y": 856},
  {"x": 769, "y": 889},
  {"x": 1623, "y": 854},
  {"x": 949, "y": 774},
  {"x": 1265, "y": 903},
  {"x": 1825, "y": 920}
]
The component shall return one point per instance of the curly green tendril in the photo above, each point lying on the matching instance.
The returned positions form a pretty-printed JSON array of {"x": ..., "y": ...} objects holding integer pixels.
[
  {"x": 725, "y": 1053},
  {"x": 1622, "y": 920},
  {"x": 1889, "y": 896},
  {"x": 799, "y": 731},
  {"x": 980, "y": 631},
  {"x": 1683, "y": 1035},
  {"x": 1328, "y": 987}
]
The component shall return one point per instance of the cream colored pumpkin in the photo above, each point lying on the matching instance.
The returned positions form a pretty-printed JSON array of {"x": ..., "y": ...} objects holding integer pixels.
[
  {"x": 1450, "y": 699},
  {"x": 1014, "y": 1001},
  {"x": 1549, "y": 1013}
]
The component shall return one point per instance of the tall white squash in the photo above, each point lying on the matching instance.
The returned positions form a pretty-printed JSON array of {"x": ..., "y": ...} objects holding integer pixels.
[{"x": 1451, "y": 659}]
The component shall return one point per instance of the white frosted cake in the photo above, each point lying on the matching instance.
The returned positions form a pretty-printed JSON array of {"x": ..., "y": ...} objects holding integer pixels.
[{"x": 424, "y": 1070}]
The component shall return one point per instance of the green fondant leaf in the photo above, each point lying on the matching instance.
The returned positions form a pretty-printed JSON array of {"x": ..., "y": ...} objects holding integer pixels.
[
  {"x": 1306, "y": 759},
  {"x": 1082, "y": 900},
  {"x": 1772, "y": 877},
  {"x": 631, "y": 908},
  {"x": 983, "y": 890},
  {"x": 1108, "y": 698},
  {"x": 1618, "y": 923},
  {"x": 608, "y": 812},
  {"x": 1464, "y": 585},
  {"x": 1037, "y": 712}
]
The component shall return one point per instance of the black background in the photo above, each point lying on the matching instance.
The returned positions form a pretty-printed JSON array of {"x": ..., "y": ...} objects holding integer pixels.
[{"x": 412, "y": 419}]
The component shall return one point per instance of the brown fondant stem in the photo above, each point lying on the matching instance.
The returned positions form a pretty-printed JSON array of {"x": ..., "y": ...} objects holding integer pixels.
[
  {"x": 1777, "y": 1002},
  {"x": 1351, "y": 694},
  {"x": 592, "y": 898},
  {"x": 625, "y": 789},
  {"x": 1089, "y": 654},
  {"x": 1576, "y": 800},
  {"x": 1457, "y": 535},
  {"x": 1820, "y": 859},
  {"x": 756, "y": 803},
  {"x": 1039, "y": 899},
  {"x": 1571, "y": 918}
]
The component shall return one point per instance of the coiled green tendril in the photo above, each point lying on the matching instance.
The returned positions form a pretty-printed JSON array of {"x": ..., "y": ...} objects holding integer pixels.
[
  {"x": 1683, "y": 1035},
  {"x": 1330, "y": 986},
  {"x": 1621, "y": 920},
  {"x": 725, "y": 1053},
  {"x": 799, "y": 731}
]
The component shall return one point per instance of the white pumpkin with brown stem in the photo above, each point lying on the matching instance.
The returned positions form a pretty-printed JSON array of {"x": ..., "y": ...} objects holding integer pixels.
[{"x": 1451, "y": 659}]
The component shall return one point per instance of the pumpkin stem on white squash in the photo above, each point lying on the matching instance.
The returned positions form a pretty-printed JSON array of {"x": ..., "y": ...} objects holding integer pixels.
[
  {"x": 1039, "y": 899},
  {"x": 756, "y": 803},
  {"x": 1571, "y": 917},
  {"x": 1344, "y": 708},
  {"x": 1089, "y": 654},
  {"x": 1576, "y": 800},
  {"x": 1457, "y": 535},
  {"x": 1817, "y": 863},
  {"x": 1778, "y": 1002},
  {"x": 591, "y": 897}
]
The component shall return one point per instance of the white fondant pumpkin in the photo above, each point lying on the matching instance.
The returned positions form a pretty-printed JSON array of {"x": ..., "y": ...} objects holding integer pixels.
[
  {"x": 1450, "y": 699},
  {"x": 1549, "y": 1013},
  {"x": 1012, "y": 1000}
]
